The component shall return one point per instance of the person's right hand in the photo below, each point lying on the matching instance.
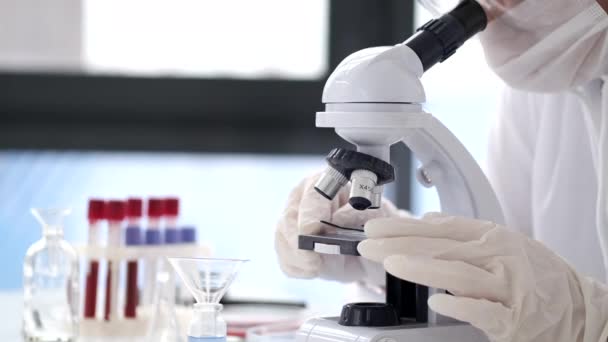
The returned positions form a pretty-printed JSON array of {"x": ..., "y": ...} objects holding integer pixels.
[
  {"x": 509, "y": 286},
  {"x": 305, "y": 209}
]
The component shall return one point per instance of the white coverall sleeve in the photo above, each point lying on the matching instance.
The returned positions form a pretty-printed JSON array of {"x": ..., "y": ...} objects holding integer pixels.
[{"x": 510, "y": 158}]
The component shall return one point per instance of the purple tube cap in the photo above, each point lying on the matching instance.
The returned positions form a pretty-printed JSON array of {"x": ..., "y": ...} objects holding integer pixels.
[
  {"x": 188, "y": 234},
  {"x": 133, "y": 236},
  {"x": 172, "y": 236},
  {"x": 153, "y": 237}
]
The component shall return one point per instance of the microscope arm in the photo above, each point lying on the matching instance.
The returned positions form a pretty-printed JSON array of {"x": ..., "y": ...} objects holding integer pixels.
[{"x": 462, "y": 186}]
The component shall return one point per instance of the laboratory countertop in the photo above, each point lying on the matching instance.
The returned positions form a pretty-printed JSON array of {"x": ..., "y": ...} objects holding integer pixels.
[
  {"x": 10, "y": 313},
  {"x": 11, "y": 308}
]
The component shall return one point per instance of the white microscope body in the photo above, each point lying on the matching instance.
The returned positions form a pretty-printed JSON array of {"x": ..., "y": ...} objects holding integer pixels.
[{"x": 373, "y": 100}]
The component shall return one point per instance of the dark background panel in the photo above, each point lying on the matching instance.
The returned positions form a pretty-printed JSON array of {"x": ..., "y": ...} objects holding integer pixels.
[{"x": 53, "y": 111}]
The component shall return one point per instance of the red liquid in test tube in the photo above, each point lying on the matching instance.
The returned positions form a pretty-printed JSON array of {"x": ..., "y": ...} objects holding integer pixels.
[
  {"x": 115, "y": 213},
  {"x": 132, "y": 238},
  {"x": 95, "y": 216}
]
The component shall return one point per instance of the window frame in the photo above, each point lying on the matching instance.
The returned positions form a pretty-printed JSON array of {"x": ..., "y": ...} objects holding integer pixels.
[{"x": 54, "y": 111}]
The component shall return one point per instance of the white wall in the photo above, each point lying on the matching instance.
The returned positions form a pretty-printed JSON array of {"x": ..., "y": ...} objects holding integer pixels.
[
  {"x": 202, "y": 38},
  {"x": 39, "y": 34}
]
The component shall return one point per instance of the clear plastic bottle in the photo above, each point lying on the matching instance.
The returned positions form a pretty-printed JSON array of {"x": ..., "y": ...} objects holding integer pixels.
[
  {"x": 50, "y": 282},
  {"x": 207, "y": 324},
  {"x": 208, "y": 280}
]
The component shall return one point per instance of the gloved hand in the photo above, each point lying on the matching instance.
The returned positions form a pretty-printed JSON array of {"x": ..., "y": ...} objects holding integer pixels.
[
  {"x": 305, "y": 209},
  {"x": 511, "y": 287}
]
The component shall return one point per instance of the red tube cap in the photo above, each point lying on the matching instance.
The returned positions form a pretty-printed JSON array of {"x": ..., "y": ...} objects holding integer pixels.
[
  {"x": 96, "y": 209},
  {"x": 134, "y": 207},
  {"x": 155, "y": 207},
  {"x": 115, "y": 210},
  {"x": 171, "y": 206}
]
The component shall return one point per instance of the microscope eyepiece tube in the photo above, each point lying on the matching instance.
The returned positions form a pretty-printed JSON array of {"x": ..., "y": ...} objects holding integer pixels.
[
  {"x": 330, "y": 183},
  {"x": 439, "y": 39},
  {"x": 361, "y": 192}
]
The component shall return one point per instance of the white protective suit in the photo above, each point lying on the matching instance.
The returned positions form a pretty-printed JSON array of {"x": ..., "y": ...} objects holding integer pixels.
[
  {"x": 548, "y": 149},
  {"x": 540, "y": 164}
]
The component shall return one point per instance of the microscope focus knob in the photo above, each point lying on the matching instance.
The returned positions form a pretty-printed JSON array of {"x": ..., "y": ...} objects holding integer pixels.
[{"x": 369, "y": 315}]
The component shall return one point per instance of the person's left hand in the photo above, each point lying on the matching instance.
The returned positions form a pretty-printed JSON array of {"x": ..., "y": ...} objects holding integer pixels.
[{"x": 511, "y": 287}]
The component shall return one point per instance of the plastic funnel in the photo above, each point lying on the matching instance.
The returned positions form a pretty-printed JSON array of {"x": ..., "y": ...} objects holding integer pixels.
[{"x": 207, "y": 279}]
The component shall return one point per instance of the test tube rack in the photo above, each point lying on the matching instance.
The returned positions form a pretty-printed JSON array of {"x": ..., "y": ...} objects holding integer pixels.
[{"x": 122, "y": 328}]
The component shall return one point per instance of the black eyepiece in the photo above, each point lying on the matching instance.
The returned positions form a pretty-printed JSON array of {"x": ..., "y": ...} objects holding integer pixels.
[{"x": 437, "y": 40}]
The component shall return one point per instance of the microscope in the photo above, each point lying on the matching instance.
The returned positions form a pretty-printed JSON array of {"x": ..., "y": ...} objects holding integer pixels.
[{"x": 373, "y": 100}]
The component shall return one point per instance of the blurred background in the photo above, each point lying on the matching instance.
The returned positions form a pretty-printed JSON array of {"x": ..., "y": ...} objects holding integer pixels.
[{"x": 210, "y": 101}]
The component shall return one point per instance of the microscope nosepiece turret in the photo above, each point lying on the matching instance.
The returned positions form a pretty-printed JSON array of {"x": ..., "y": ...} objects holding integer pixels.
[{"x": 366, "y": 173}]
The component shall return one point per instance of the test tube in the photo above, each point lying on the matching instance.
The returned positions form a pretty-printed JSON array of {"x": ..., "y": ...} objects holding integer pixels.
[
  {"x": 187, "y": 236},
  {"x": 132, "y": 238},
  {"x": 95, "y": 216},
  {"x": 152, "y": 238},
  {"x": 115, "y": 213},
  {"x": 171, "y": 211}
]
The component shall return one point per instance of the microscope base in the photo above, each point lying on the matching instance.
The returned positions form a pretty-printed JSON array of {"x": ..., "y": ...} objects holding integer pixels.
[{"x": 328, "y": 330}]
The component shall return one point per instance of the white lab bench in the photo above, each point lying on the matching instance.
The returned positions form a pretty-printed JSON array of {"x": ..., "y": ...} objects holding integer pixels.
[
  {"x": 10, "y": 313},
  {"x": 11, "y": 309}
]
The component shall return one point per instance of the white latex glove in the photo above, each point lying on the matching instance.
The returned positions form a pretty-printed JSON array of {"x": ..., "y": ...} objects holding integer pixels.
[
  {"x": 511, "y": 287},
  {"x": 305, "y": 209}
]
